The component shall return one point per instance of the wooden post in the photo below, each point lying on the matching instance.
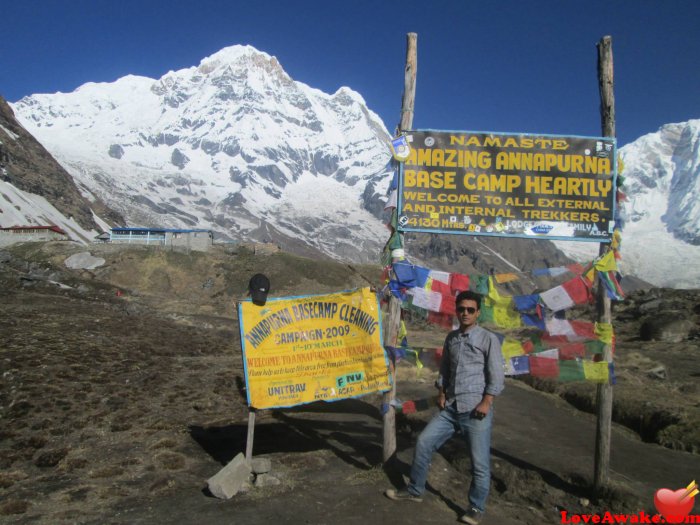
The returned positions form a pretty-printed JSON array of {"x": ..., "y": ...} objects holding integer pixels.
[
  {"x": 249, "y": 439},
  {"x": 391, "y": 327},
  {"x": 409, "y": 82},
  {"x": 604, "y": 397}
]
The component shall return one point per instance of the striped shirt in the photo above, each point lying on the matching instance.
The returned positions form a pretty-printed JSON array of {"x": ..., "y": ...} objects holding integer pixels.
[{"x": 471, "y": 366}]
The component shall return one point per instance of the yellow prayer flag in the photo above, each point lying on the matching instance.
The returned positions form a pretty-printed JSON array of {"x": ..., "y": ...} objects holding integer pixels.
[
  {"x": 606, "y": 263},
  {"x": 506, "y": 277},
  {"x": 416, "y": 353},
  {"x": 506, "y": 317},
  {"x": 598, "y": 372},
  {"x": 402, "y": 330},
  {"x": 495, "y": 298},
  {"x": 616, "y": 240},
  {"x": 511, "y": 348},
  {"x": 504, "y": 313},
  {"x": 604, "y": 331}
]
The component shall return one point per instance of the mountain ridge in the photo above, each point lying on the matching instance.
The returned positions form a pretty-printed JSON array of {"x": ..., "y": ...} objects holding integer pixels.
[
  {"x": 230, "y": 149},
  {"x": 237, "y": 146}
]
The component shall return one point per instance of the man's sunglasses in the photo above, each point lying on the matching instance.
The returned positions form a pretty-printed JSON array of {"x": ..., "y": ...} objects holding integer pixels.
[{"x": 468, "y": 309}]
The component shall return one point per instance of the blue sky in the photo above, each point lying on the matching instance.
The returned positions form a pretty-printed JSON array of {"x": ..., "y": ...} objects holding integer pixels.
[{"x": 505, "y": 66}]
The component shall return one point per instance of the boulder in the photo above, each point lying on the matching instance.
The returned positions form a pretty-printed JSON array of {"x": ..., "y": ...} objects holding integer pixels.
[
  {"x": 668, "y": 327},
  {"x": 261, "y": 465},
  {"x": 84, "y": 261},
  {"x": 231, "y": 479}
]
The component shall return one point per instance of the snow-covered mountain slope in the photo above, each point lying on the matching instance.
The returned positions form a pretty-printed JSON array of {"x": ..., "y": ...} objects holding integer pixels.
[
  {"x": 233, "y": 144},
  {"x": 28, "y": 209},
  {"x": 661, "y": 236},
  {"x": 35, "y": 189}
]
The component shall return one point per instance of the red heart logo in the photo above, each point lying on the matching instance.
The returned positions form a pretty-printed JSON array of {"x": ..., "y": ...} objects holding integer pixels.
[{"x": 673, "y": 505}]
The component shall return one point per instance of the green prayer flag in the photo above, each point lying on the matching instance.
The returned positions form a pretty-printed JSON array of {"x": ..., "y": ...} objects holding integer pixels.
[
  {"x": 537, "y": 345},
  {"x": 479, "y": 284},
  {"x": 486, "y": 314},
  {"x": 395, "y": 242},
  {"x": 386, "y": 256},
  {"x": 594, "y": 347},
  {"x": 571, "y": 371},
  {"x": 394, "y": 219}
]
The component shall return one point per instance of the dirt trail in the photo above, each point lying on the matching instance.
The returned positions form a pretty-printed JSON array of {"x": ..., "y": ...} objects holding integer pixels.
[
  {"x": 116, "y": 408},
  {"x": 327, "y": 457}
]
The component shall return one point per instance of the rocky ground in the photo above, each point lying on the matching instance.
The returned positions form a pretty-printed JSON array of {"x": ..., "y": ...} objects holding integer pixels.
[{"x": 119, "y": 397}]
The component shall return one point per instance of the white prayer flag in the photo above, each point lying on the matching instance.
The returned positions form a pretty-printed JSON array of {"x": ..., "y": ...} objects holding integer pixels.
[
  {"x": 443, "y": 277},
  {"x": 557, "y": 299},
  {"x": 427, "y": 299},
  {"x": 560, "y": 327}
]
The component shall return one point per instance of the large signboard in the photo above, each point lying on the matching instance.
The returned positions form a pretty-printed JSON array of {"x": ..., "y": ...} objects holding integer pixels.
[
  {"x": 543, "y": 186},
  {"x": 318, "y": 347}
]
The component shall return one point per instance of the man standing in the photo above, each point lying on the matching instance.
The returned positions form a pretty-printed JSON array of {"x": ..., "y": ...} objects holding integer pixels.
[{"x": 471, "y": 376}]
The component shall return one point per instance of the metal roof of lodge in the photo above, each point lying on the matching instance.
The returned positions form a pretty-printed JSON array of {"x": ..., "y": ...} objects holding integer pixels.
[
  {"x": 158, "y": 230},
  {"x": 51, "y": 227}
]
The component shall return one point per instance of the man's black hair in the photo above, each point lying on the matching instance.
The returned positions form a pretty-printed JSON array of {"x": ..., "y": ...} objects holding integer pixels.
[{"x": 468, "y": 295}]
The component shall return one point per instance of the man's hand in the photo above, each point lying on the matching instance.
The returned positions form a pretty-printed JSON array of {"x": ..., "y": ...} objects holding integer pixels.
[
  {"x": 441, "y": 400},
  {"x": 482, "y": 409}
]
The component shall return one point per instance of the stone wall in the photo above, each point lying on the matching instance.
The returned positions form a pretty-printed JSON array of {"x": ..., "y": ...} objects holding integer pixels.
[
  {"x": 198, "y": 241},
  {"x": 9, "y": 237},
  {"x": 259, "y": 248}
]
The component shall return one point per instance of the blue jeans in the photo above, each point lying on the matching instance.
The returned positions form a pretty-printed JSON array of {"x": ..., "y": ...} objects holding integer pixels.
[{"x": 477, "y": 435}]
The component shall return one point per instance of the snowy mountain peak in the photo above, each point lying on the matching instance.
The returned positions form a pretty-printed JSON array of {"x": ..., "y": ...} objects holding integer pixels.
[
  {"x": 237, "y": 146},
  {"x": 233, "y": 55},
  {"x": 662, "y": 172},
  {"x": 233, "y": 144},
  {"x": 661, "y": 238}
]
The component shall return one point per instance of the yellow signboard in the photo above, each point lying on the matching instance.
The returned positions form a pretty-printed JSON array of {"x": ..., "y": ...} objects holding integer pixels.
[{"x": 298, "y": 350}]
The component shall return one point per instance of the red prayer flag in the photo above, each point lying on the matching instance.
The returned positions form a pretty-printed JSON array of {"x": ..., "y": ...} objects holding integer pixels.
[
  {"x": 408, "y": 407},
  {"x": 440, "y": 287},
  {"x": 553, "y": 341},
  {"x": 577, "y": 289},
  {"x": 439, "y": 319},
  {"x": 572, "y": 351},
  {"x": 584, "y": 329},
  {"x": 544, "y": 367},
  {"x": 447, "y": 305},
  {"x": 459, "y": 282},
  {"x": 528, "y": 346},
  {"x": 575, "y": 268}
]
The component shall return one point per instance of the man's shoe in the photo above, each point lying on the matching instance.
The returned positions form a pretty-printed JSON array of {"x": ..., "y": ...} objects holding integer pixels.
[
  {"x": 472, "y": 516},
  {"x": 401, "y": 495}
]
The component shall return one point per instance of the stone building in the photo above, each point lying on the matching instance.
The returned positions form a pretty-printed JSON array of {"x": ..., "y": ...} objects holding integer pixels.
[{"x": 16, "y": 234}]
